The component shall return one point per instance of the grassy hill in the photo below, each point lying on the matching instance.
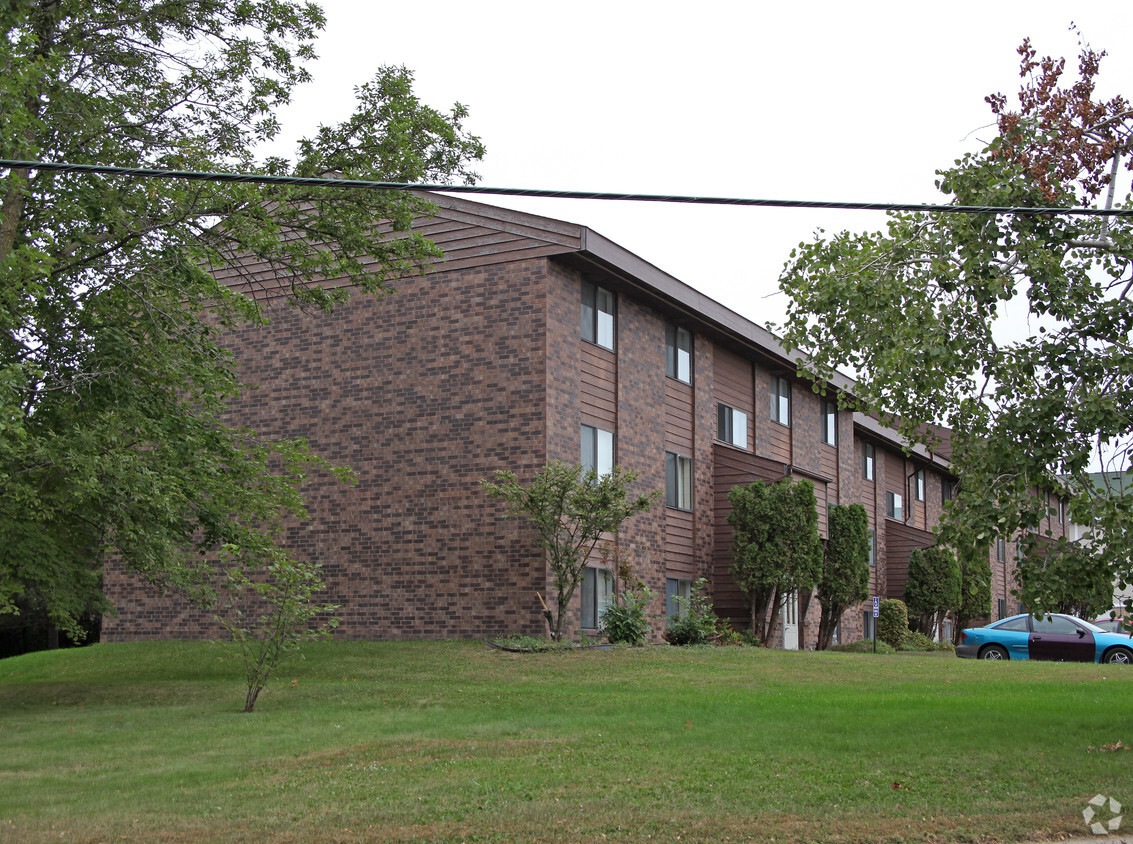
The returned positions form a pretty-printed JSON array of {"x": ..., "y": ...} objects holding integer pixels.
[{"x": 453, "y": 741}]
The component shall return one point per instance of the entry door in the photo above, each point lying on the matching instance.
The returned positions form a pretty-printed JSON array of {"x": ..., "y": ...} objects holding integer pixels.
[
  {"x": 1056, "y": 637},
  {"x": 791, "y": 622}
]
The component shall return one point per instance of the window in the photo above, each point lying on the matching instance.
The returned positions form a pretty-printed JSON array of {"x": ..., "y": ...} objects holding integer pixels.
[
  {"x": 678, "y": 481},
  {"x": 830, "y": 423},
  {"x": 869, "y": 458},
  {"x": 894, "y": 506},
  {"x": 1002, "y": 608},
  {"x": 1058, "y": 625},
  {"x": 1017, "y": 624},
  {"x": 677, "y": 593},
  {"x": 597, "y": 315},
  {"x": 731, "y": 425},
  {"x": 1061, "y": 511},
  {"x": 597, "y": 450},
  {"x": 873, "y": 548},
  {"x": 678, "y": 353},
  {"x": 597, "y": 585},
  {"x": 919, "y": 484},
  {"x": 1001, "y": 550},
  {"x": 946, "y": 490},
  {"x": 780, "y": 400}
]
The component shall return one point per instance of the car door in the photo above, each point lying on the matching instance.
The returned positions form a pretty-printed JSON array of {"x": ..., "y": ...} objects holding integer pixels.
[{"x": 1057, "y": 637}]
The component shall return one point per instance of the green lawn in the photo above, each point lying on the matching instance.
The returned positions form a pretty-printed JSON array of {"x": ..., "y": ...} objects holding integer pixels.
[{"x": 456, "y": 741}]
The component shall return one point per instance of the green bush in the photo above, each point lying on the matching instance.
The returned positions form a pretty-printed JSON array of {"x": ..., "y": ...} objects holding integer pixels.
[
  {"x": 626, "y": 622},
  {"x": 863, "y": 646},
  {"x": 892, "y": 622},
  {"x": 699, "y": 625},
  {"x": 917, "y": 641}
]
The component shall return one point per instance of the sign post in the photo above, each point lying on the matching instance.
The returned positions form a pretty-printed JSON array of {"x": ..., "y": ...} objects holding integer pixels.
[{"x": 876, "y": 613}]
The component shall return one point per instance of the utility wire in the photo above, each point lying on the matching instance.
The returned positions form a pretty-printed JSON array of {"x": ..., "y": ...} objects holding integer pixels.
[{"x": 147, "y": 172}]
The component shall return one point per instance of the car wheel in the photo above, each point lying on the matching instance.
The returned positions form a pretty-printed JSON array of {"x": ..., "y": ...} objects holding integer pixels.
[
  {"x": 1118, "y": 656},
  {"x": 993, "y": 652}
]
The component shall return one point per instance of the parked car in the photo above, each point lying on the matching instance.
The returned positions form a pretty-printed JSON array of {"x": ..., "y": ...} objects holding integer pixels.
[
  {"x": 1055, "y": 637},
  {"x": 1114, "y": 625}
]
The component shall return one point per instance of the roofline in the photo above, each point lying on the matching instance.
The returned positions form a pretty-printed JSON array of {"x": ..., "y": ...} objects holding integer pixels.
[{"x": 579, "y": 239}]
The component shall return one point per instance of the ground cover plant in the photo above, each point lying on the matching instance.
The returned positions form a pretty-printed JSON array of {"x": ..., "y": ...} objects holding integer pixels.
[{"x": 455, "y": 741}]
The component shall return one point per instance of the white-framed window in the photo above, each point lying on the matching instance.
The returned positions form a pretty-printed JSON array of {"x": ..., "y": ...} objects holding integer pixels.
[
  {"x": 677, "y": 594},
  {"x": 597, "y": 450},
  {"x": 869, "y": 461},
  {"x": 597, "y": 589},
  {"x": 731, "y": 425},
  {"x": 947, "y": 489},
  {"x": 830, "y": 422},
  {"x": 872, "y": 548},
  {"x": 597, "y": 315},
  {"x": 1061, "y": 511},
  {"x": 919, "y": 483},
  {"x": 895, "y": 506},
  {"x": 1001, "y": 550},
  {"x": 780, "y": 400},
  {"x": 868, "y": 622},
  {"x": 678, "y": 353},
  {"x": 678, "y": 481}
]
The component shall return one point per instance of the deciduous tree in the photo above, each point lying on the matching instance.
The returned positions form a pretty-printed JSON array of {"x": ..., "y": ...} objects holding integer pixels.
[
  {"x": 917, "y": 312},
  {"x": 570, "y": 508},
  {"x": 113, "y": 387},
  {"x": 777, "y": 550}
]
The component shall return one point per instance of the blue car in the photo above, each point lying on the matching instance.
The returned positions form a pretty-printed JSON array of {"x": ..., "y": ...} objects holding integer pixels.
[{"x": 1057, "y": 637}]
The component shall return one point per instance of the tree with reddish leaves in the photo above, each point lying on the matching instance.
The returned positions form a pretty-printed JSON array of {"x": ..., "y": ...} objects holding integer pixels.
[{"x": 929, "y": 314}]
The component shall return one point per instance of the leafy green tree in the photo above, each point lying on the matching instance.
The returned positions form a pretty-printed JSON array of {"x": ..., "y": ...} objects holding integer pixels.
[
  {"x": 918, "y": 311},
  {"x": 975, "y": 592},
  {"x": 845, "y": 567},
  {"x": 270, "y": 611},
  {"x": 570, "y": 508},
  {"x": 113, "y": 387},
  {"x": 933, "y": 588},
  {"x": 1056, "y": 574},
  {"x": 778, "y": 550}
]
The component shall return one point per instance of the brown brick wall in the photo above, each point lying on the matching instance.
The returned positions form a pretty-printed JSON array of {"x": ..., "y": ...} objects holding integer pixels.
[{"x": 424, "y": 393}]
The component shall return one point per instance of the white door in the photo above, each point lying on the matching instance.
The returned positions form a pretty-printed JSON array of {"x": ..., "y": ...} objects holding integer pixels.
[{"x": 791, "y": 622}]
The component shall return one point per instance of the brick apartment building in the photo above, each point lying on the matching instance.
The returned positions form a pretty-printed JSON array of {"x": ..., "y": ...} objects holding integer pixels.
[{"x": 538, "y": 340}]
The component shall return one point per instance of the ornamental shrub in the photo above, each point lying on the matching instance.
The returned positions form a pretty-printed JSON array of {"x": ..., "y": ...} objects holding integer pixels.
[
  {"x": 626, "y": 622},
  {"x": 698, "y": 625},
  {"x": 892, "y": 622}
]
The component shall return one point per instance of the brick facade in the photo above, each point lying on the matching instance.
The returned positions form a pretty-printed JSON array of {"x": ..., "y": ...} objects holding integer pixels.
[{"x": 479, "y": 365}]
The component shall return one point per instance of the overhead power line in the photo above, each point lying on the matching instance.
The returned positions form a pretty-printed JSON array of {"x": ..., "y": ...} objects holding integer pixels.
[{"x": 361, "y": 184}]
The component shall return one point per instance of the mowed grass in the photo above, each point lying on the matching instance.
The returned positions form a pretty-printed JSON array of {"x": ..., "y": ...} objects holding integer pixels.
[{"x": 453, "y": 741}]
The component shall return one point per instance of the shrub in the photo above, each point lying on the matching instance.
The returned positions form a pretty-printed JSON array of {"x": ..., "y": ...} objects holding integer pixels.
[
  {"x": 699, "y": 624},
  {"x": 892, "y": 622},
  {"x": 917, "y": 641},
  {"x": 626, "y": 622},
  {"x": 863, "y": 646}
]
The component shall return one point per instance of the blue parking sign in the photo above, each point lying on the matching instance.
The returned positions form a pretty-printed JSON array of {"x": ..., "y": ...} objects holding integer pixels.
[{"x": 876, "y": 606}]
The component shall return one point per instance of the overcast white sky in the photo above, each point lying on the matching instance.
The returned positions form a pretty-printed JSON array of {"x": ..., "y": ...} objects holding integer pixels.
[{"x": 828, "y": 101}]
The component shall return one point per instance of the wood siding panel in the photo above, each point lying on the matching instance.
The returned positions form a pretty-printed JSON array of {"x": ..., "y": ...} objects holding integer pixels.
[
  {"x": 900, "y": 542},
  {"x": 733, "y": 468},
  {"x": 778, "y": 445},
  {"x": 828, "y": 465},
  {"x": 598, "y": 386},
  {"x": 680, "y": 556},
  {"x": 678, "y": 417}
]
